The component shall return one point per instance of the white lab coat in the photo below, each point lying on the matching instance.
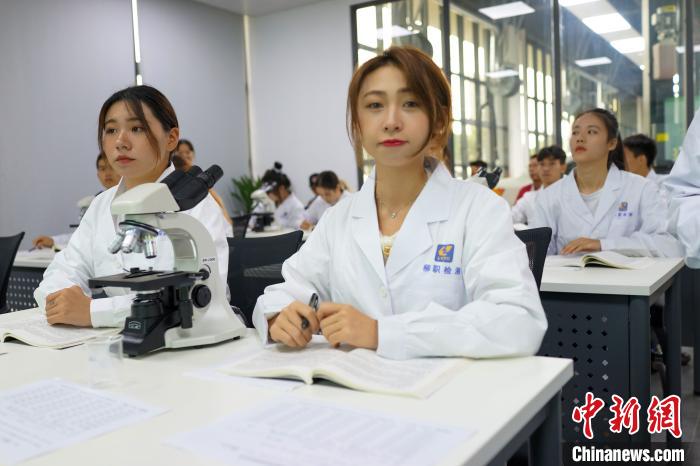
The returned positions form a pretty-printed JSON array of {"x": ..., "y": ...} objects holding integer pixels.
[
  {"x": 658, "y": 180},
  {"x": 524, "y": 209},
  {"x": 315, "y": 210},
  {"x": 631, "y": 217},
  {"x": 290, "y": 213},
  {"x": 457, "y": 282},
  {"x": 683, "y": 186},
  {"x": 87, "y": 257}
]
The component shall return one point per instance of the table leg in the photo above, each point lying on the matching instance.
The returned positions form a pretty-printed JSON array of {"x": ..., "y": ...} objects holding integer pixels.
[
  {"x": 672, "y": 353},
  {"x": 640, "y": 357},
  {"x": 545, "y": 443}
]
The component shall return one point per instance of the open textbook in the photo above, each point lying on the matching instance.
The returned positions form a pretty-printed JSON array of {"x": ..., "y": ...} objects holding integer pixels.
[
  {"x": 30, "y": 326},
  {"x": 360, "y": 369},
  {"x": 601, "y": 258}
]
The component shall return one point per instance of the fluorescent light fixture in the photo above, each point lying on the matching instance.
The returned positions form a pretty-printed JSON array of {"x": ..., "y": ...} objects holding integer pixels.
[
  {"x": 507, "y": 10},
  {"x": 394, "y": 31},
  {"x": 681, "y": 49},
  {"x": 135, "y": 26},
  {"x": 575, "y": 2},
  {"x": 501, "y": 74},
  {"x": 585, "y": 62},
  {"x": 631, "y": 45},
  {"x": 602, "y": 24}
]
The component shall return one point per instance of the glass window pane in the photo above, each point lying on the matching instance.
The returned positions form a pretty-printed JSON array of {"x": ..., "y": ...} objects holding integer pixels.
[
  {"x": 367, "y": 26},
  {"x": 469, "y": 100},
  {"x": 456, "y": 86},
  {"x": 531, "y": 115}
]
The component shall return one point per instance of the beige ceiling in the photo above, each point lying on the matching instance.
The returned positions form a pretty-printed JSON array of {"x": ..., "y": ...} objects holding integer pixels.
[{"x": 257, "y": 7}]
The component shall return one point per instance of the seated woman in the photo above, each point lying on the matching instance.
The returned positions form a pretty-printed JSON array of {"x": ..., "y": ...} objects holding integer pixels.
[
  {"x": 599, "y": 207},
  {"x": 138, "y": 131},
  {"x": 289, "y": 211},
  {"x": 417, "y": 263},
  {"x": 331, "y": 191}
]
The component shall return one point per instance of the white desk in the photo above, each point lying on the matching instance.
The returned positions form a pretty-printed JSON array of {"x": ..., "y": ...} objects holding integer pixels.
[
  {"x": 483, "y": 397},
  {"x": 274, "y": 232},
  {"x": 599, "y": 317}
]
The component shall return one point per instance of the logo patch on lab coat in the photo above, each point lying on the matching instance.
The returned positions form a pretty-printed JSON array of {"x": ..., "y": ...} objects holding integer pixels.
[
  {"x": 444, "y": 253},
  {"x": 623, "y": 207}
]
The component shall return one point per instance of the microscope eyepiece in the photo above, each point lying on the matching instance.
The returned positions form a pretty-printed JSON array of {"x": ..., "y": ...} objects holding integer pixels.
[{"x": 211, "y": 175}]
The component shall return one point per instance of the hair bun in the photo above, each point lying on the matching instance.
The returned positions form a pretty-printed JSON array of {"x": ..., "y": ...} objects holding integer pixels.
[{"x": 278, "y": 166}]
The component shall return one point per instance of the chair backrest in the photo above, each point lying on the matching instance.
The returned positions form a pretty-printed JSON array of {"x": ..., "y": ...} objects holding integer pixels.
[
  {"x": 8, "y": 251},
  {"x": 255, "y": 263},
  {"x": 537, "y": 242},
  {"x": 240, "y": 225}
]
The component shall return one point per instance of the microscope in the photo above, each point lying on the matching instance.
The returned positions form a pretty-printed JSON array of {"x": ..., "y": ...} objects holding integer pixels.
[
  {"x": 177, "y": 308},
  {"x": 263, "y": 207}
]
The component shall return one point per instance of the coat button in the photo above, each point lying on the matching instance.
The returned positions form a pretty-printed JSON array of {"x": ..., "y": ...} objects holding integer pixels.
[{"x": 382, "y": 292}]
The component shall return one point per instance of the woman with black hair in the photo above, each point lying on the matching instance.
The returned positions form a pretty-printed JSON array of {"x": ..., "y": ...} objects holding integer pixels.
[
  {"x": 289, "y": 211},
  {"x": 600, "y": 207}
]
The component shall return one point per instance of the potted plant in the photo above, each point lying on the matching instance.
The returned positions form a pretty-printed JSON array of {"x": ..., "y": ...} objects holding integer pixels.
[{"x": 243, "y": 187}]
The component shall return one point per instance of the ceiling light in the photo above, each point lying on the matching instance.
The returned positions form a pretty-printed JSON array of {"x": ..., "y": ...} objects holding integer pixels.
[
  {"x": 501, "y": 74},
  {"x": 631, "y": 45},
  {"x": 585, "y": 62},
  {"x": 507, "y": 10},
  {"x": 575, "y": 2},
  {"x": 602, "y": 24},
  {"x": 681, "y": 49}
]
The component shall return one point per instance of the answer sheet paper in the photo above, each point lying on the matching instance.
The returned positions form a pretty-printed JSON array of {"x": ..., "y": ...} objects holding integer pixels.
[
  {"x": 47, "y": 415},
  {"x": 295, "y": 431}
]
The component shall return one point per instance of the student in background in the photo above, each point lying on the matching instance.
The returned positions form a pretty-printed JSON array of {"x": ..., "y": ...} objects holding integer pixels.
[
  {"x": 183, "y": 160},
  {"x": 599, "y": 207},
  {"x": 551, "y": 164},
  {"x": 289, "y": 211},
  {"x": 313, "y": 183},
  {"x": 639, "y": 155},
  {"x": 417, "y": 263},
  {"x": 107, "y": 178},
  {"x": 532, "y": 169},
  {"x": 331, "y": 191},
  {"x": 683, "y": 185},
  {"x": 138, "y": 131},
  {"x": 475, "y": 166}
]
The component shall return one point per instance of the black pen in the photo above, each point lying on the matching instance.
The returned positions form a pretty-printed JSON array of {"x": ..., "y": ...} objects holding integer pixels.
[{"x": 313, "y": 304}]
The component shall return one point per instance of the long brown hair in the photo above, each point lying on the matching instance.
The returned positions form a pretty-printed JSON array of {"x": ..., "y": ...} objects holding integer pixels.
[
  {"x": 135, "y": 97},
  {"x": 425, "y": 80}
]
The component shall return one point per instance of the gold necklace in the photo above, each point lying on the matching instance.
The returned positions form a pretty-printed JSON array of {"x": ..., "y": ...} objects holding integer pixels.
[{"x": 395, "y": 213}]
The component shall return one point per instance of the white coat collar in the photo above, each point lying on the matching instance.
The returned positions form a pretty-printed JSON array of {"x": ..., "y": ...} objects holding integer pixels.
[
  {"x": 652, "y": 176},
  {"x": 431, "y": 205},
  {"x": 608, "y": 198}
]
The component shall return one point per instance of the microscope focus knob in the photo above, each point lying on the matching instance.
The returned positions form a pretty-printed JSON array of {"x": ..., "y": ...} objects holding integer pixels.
[{"x": 201, "y": 295}]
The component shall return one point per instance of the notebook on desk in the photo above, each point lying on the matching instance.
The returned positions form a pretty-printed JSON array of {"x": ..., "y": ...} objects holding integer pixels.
[
  {"x": 30, "y": 327},
  {"x": 359, "y": 369},
  {"x": 600, "y": 259}
]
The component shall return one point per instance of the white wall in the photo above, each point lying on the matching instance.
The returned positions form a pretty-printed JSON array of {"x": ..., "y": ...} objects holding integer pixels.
[
  {"x": 60, "y": 61},
  {"x": 194, "y": 54},
  {"x": 301, "y": 64}
]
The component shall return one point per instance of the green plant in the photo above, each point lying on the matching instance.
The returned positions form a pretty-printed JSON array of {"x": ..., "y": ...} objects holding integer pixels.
[{"x": 243, "y": 187}]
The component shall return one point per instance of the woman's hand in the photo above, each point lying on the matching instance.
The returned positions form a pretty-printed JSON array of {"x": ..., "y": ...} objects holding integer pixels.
[
  {"x": 581, "y": 245},
  {"x": 69, "y": 306},
  {"x": 42, "y": 242},
  {"x": 342, "y": 323},
  {"x": 286, "y": 327}
]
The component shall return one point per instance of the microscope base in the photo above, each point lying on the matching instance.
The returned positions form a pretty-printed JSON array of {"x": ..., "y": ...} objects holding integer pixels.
[{"x": 215, "y": 326}]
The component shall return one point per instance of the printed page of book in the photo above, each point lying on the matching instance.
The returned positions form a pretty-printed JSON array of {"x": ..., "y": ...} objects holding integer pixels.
[
  {"x": 291, "y": 430},
  {"x": 281, "y": 361},
  {"x": 614, "y": 259},
  {"x": 363, "y": 369},
  {"x": 30, "y": 326},
  {"x": 575, "y": 260},
  {"x": 45, "y": 416}
]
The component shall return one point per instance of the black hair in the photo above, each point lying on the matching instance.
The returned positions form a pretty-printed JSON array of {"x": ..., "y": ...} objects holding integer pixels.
[
  {"x": 185, "y": 142},
  {"x": 328, "y": 180},
  {"x": 478, "y": 163},
  {"x": 615, "y": 156},
  {"x": 534, "y": 156},
  {"x": 552, "y": 152},
  {"x": 313, "y": 180},
  {"x": 641, "y": 144},
  {"x": 276, "y": 178},
  {"x": 100, "y": 156},
  {"x": 135, "y": 97}
]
